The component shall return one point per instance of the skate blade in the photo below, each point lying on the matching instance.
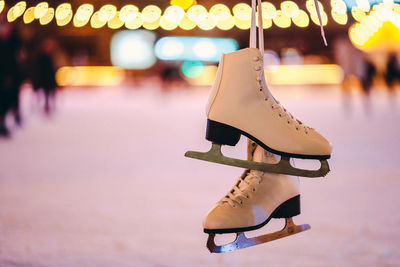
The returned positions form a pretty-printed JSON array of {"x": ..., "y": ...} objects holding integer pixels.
[
  {"x": 242, "y": 241},
  {"x": 283, "y": 166}
]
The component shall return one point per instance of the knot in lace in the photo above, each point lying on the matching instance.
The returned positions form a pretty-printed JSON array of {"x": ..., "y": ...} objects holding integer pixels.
[{"x": 243, "y": 189}]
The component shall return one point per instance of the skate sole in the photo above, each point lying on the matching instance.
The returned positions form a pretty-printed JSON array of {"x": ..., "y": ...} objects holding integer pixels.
[
  {"x": 242, "y": 241},
  {"x": 283, "y": 167},
  {"x": 221, "y": 133},
  {"x": 287, "y": 209}
]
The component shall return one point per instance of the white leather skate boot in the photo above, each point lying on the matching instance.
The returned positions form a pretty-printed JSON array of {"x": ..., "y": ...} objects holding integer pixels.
[
  {"x": 254, "y": 200},
  {"x": 240, "y": 103}
]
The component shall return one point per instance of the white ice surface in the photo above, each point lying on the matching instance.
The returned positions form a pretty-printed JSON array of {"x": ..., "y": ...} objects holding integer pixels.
[{"x": 104, "y": 183}]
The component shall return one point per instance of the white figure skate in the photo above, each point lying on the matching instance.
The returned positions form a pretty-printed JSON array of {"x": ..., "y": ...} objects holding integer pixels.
[
  {"x": 256, "y": 198},
  {"x": 240, "y": 103}
]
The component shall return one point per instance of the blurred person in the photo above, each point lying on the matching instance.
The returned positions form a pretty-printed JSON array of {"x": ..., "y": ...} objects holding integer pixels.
[
  {"x": 392, "y": 73},
  {"x": 170, "y": 76},
  {"x": 43, "y": 73},
  {"x": 10, "y": 73}
]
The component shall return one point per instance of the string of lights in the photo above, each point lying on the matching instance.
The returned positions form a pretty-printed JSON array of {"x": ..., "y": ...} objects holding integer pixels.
[{"x": 184, "y": 14}]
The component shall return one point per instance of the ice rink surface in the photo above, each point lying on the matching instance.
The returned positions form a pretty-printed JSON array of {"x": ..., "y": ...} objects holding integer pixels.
[{"x": 104, "y": 182}]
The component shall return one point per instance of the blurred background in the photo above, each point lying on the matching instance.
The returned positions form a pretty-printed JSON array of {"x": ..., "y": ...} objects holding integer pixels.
[{"x": 99, "y": 100}]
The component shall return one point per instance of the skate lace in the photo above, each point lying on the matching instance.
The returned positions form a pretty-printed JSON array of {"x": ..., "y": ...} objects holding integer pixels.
[
  {"x": 276, "y": 105},
  {"x": 242, "y": 189}
]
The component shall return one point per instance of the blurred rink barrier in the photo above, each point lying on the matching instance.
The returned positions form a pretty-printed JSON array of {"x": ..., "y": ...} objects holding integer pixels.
[{"x": 196, "y": 74}]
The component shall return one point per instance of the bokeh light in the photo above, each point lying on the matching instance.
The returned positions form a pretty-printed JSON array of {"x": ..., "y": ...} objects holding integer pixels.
[
  {"x": 226, "y": 24},
  {"x": 315, "y": 19},
  {"x": 301, "y": 20},
  {"x": 357, "y": 13},
  {"x": 67, "y": 19},
  {"x": 281, "y": 20},
  {"x": 63, "y": 11},
  {"x": 192, "y": 69},
  {"x": 242, "y": 11},
  {"x": 84, "y": 12},
  {"x": 107, "y": 12},
  {"x": 185, "y": 4},
  {"x": 221, "y": 12},
  {"x": 151, "y": 25},
  {"x": 187, "y": 24},
  {"x": 133, "y": 49},
  {"x": 96, "y": 22},
  {"x": 2, "y": 4},
  {"x": 151, "y": 13},
  {"x": 135, "y": 23},
  {"x": 29, "y": 15},
  {"x": 197, "y": 13},
  {"x": 115, "y": 22},
  {"x": 208, "y": 23},
  {"x": 48, "y": 17},
  {"x": 41, "y": 9},
  {"x": 340, "y": 18},
  {"x": 128, "y": 13},
  {"x": 268, "y": 10},
  {"x": 174, "y": 14},
  {"x": 19, "y": 9},
  {"x": 167, "y": 25},
  {"x": 289, "y": 8}
]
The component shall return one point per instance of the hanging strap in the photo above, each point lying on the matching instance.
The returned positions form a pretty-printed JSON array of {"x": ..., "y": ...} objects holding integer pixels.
[
  {"x": 253, "y": 28},
  {"x": 320, "y": 22}
]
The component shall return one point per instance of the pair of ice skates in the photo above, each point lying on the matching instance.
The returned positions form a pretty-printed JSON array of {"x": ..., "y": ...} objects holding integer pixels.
[{"x": 240, "y": 103}]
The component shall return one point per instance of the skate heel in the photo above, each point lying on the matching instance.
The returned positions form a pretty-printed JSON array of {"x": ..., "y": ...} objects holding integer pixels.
[
  {"x": 288, "y": 209},
  {"x": 222, "y": 134}
]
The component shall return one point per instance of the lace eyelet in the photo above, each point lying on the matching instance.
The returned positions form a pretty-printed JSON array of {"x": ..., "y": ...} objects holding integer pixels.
[
  {"x": 260, "y": 89},
  {"x": 288, "y": 122},
  {"x": 280, "y": 115},
  {"x": 241, "y": 202},
  {"x": 233, "y": 206},
  {"x": 253, "y": 189},
  {"x": 297, "y": 128},
  {"x": 247, "y": 196}
]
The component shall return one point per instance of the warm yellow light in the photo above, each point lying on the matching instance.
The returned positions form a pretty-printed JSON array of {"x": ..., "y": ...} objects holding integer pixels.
[
  {"x": 269, "y": 10},
  {"x": 66, "y": 20},
  {"x": 281, "y": 20},
  {"x": 106, "y": 13},
  {"x": 339, "y": 17},
  {"x": 19, "y": 9},
  {"x": 48, "y": 17},
  {"x": 301, "y": 20},
  {"x": 339, "y": 6},
  {"x": 289, "y": 8},
  {"x": 242, "y": 11},
  {"x": 221, "y": 12},
  {"x": 128, "y": 13},
  {"x": 41, "y": 9},
  {"x": 205, "y": 79},
  {"x": 80, "y": 23},
  {"x": 96, "y": 22},
  {"x": 187, "y": 24},
  {"x": 10, "y": 15},
  {"x": 2, "y": 4},
  {"x": 174, "y": 14},
  {"x": 306, "y": 74},
  {"x": 152, "y": 25},
  {"x": 396, "y": 8},
  {"x": 372, "y": 22},
  {"x": 315, "y": 19},
  {"x": 151, "y": 13},
  {"x": 363, "y": 5},
  {"x": 310, "y": 5},
  {"x": 89, "y": 76},
  {"x": 185, "y": 4},
  {"x": 29, "y": 15},
  {"x": 136, "y": 23},
  {"x": 208, "y": 23},
  {"x": 84, "y": 12},
  {"x": 267, "y": 23},
  {"x": 115, "y": 22},
  {"x": 63, "y": 11},
  {"x": 226, "y": 24},
  {"x": 167, "y": 25},
  {"x": 197, "y": 13},
  {"x": 357, "y": 13},
  {"x": 242, "y": 24},
  {"x": 357, "y": 38}
]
